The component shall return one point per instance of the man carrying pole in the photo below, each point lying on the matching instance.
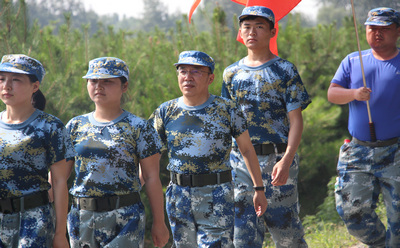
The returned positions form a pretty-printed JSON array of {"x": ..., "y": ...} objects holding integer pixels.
[{"x": 366, "y": 167}]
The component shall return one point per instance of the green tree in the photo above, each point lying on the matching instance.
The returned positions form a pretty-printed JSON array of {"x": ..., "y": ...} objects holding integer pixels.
[{"x": 361, "y": 7}]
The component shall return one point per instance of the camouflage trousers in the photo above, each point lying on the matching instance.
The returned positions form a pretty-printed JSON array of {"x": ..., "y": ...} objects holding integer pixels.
[
  {"x": 282, "y": 215},
  {"x": 31, "y": 228},
  {"x": 363, "y": 173},
  {"x": 201, "y": 216},
  {"x": 123, "y": 227}
]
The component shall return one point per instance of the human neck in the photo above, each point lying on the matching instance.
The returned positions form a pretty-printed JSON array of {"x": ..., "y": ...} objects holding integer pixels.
[
  {"x": 102, "y": 114},
  {"x": 14, "y": 115},
  {"x": 257, "y": 58},
  {"x": 386, "y": 54},
  {"x": 195, "y": 101}
]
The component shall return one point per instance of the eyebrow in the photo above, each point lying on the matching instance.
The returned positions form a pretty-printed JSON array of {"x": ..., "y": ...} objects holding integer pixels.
[{"x": 257, "y": 23}]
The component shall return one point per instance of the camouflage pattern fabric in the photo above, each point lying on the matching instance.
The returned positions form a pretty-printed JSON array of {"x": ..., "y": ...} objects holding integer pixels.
[
  {"x": 119, "y": 228},
  {"x": 33, "y": 228},
  {"x": 27, "y": 150},
  {"x": 266, "y": 94},
  {"x": 201, "y": 216},
  {"x": 198, "y": 139},
  {"x": 363, "y": 173},
  {"x": 20, "y": 63},
  {"x": 108, "y": 156},
  {"x": 107, "y": 67},
  {"x": 282, "y": 215}
]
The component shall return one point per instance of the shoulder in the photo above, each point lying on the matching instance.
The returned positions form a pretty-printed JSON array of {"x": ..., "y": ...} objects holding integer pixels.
[
  {"x": 78, "y": 120},
  {"x": 49, "y": 118},
  {"x": 233, "y": 68},
  {"x": 134, "y": 120}
]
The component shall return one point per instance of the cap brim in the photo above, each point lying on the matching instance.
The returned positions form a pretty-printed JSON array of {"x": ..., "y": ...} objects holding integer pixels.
[
  {"x": 13, "y": 70},
  {"x": 101, "y": 76},
  {"x": 372, "y": 23}
]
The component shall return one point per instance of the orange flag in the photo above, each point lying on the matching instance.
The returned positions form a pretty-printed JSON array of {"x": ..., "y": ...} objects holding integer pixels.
[
  {"x": 280, "y": 9},
  {"x": 193, "y": 8}
]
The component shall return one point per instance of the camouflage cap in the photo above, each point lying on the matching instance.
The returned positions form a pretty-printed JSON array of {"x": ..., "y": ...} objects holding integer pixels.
[
  {"x": 107, "y": 67},
  {"x": 258, "y": 11},
  {"x": 382, "y": 16},
  {"x": 196, "y": 58},
  {"x": 20, "y": 63}
]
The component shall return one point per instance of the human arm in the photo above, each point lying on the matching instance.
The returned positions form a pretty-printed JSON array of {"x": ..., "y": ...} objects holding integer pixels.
[
  {"x": 280, "y": 172},
  {"x": 150, "y": 168},
  {"x": 60, "y": 172},
  {"x": 250, "y": 158},
  {"x": 337, "y": 94},
  {"x": 50, "y": 191}
]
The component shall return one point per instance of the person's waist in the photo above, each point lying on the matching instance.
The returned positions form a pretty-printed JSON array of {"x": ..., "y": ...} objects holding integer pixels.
[
  {"x": 106, "y": 203},
  {"x": 20, "y": 204},
  {"x": 378, "y": 143},
  {"x": 200, "y": 180},
  {"x": 266, "y": 149}
]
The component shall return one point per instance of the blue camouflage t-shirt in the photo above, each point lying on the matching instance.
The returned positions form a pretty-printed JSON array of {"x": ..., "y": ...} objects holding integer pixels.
[
  {"x": 27, "y": 150},
  {"x": 108, "y": 154},
  {"x": 266, "y": 94},
  {"x": 198, "y": 139}
]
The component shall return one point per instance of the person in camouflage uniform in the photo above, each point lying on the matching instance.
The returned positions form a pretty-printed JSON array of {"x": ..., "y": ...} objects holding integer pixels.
[
  {"x": 196, "y": 130},
  {"x": 367, "y": 167},
  {"x": 110, "y": 144},
  {"x": 272, "y": 96},
  {"x": 32, "y": 142}
]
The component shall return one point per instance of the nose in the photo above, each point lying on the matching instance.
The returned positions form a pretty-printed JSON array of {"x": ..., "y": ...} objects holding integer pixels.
[
  {"x": 252, "y": 31},
  {"x": 7, "y": 83},
  {"x": 98, "y": 85}
]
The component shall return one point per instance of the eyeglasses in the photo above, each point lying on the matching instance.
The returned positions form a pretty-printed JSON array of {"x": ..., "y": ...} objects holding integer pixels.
[{"x": 195, "y": 73}]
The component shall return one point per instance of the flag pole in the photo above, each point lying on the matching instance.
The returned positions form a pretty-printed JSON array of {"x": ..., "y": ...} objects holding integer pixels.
[{"x": 371, "y": 124}]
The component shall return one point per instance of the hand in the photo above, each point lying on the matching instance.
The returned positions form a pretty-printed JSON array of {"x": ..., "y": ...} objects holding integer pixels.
[
  {"x": 160, "y": 234},
  {"x": 60, "y": 241},
  {"x": 280, "y": 172},
  {"x": 362, "y": 94},
  {"x": 260, "y": 203}
]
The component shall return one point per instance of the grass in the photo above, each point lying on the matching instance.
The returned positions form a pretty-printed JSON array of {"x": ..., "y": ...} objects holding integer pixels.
[{"x": 328, "y": 234}]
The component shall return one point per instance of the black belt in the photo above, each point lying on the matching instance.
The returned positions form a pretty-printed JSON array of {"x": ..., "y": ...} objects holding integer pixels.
[
  {"x": 201, "y": 180},
  {"x": 102, "y": 204},
  {"x": 379, "y": 143},
  {"x": 20, "y": 204},
  {"x": 266, "y": 149}
]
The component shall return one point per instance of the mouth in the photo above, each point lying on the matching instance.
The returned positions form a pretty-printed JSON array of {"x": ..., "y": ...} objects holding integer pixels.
[
  {"x": 6, "y": 95},
  {"x": 188, "y": 85}
]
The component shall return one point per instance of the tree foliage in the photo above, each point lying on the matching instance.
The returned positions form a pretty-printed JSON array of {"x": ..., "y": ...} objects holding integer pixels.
[{"x": 332, "y": 10}]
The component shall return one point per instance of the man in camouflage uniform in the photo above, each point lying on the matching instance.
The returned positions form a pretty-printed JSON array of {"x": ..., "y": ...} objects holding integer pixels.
[
  {"x": 271, "y": 94},
  {"x": 366, "y": 167},
  {"x": 197, "y": 131}
]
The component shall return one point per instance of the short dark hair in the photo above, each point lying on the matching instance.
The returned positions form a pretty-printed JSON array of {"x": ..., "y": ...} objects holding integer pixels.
[{"x": 271, "y": 24}]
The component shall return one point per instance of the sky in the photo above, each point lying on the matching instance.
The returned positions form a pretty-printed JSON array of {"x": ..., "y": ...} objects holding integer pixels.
[{"x": 134, "y": 8}]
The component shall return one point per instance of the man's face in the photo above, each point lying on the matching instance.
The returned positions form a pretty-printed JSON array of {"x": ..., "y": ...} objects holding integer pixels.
[
  {"x": 256, "y": 33},
  {"x": 194, "y": 80},
  {"x": 381, "y": 38}
]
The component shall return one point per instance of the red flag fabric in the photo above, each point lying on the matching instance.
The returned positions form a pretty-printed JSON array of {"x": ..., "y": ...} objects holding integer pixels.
[
  {"x": 280, "y": 9},
  {"x": 193, "y": 8},
  {"x": 242, "y": 2}
]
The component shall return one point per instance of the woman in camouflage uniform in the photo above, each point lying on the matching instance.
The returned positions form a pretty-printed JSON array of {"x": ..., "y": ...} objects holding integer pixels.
[{"x": 32, "y": 142}]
